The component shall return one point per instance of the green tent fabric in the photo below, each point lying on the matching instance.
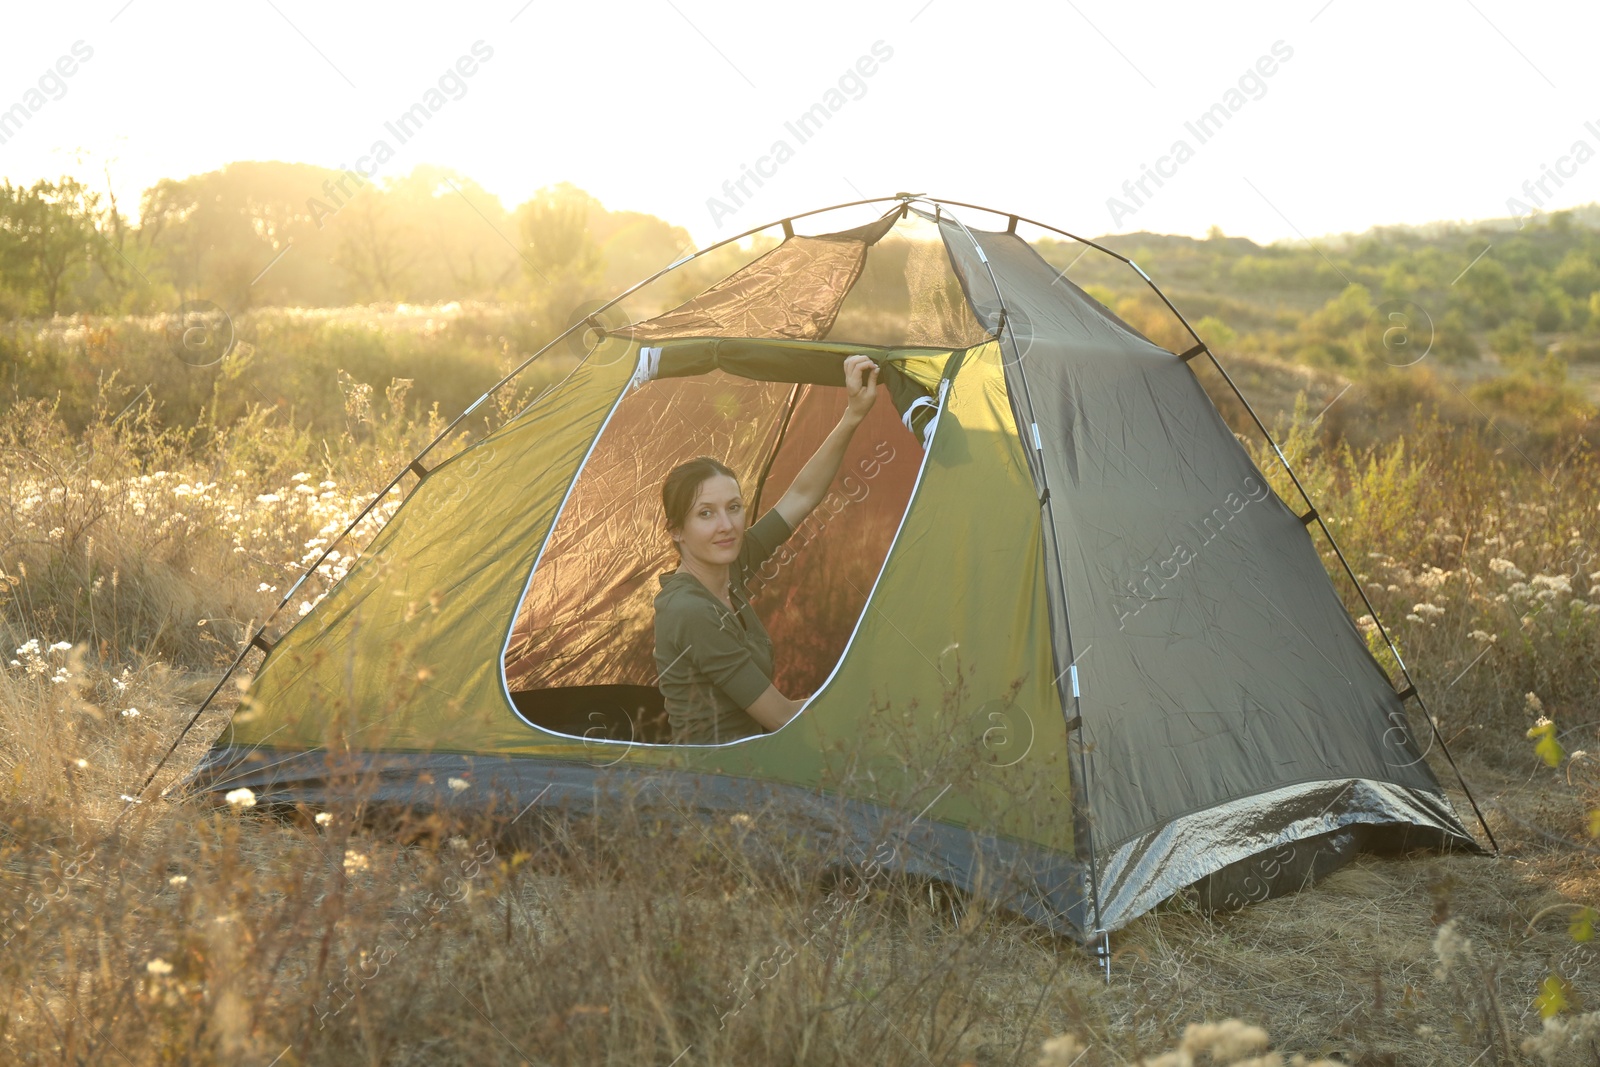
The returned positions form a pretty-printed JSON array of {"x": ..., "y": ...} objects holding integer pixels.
[{"x": 1059, "y": 639}]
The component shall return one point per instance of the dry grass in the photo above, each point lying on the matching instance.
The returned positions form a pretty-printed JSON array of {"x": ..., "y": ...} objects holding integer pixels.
[{"x": 179, "y": 932}]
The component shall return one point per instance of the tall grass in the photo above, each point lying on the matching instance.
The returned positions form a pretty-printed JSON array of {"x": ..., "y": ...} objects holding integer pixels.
[{"x": 1483, "y": 564}]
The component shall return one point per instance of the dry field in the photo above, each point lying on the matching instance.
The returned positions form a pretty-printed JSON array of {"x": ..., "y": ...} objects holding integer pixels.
[{"x": 134, "y": 559}]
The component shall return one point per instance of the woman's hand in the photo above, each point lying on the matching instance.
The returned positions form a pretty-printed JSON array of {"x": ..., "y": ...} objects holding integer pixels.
[{"x": 861, "y": 384}]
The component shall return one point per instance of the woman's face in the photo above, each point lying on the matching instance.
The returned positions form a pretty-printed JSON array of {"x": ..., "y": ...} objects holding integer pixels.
[{"x": 714, "y": 529}]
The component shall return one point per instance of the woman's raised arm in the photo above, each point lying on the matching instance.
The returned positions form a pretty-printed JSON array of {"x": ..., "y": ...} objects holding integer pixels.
[{"x": 811, "y": 484}]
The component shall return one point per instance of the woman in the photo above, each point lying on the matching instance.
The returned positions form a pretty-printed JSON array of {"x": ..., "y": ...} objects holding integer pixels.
[{"x": 713, "y": 656}]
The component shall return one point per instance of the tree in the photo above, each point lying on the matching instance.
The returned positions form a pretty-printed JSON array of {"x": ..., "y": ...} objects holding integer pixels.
[
  {"x": 245, "y": 235},
  {"x": 376, "y": 248},
  {"x": 559, "y": 250},
  {"x": 463, "y": 237},
  {"x": 46, "y": 237},
  {"x": 1484, "y": 292},
  {"x": 1578, "y": 275},
  {"x": 560, "y": 257}
]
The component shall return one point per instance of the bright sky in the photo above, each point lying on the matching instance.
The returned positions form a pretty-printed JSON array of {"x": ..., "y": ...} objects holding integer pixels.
[{"x": 1382, "y": 112}]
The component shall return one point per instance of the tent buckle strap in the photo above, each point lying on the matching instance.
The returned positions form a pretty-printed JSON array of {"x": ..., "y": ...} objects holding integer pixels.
[
  {"x": 788, "y": 229},
  {"x": 1011, "y": 227},
  {"x": 1075, "y": 723},
  {"x": 1309, "y": 517},
  {"x": 260, "y": 641},
  {"x": 418, "y": 469},
  {"x": 1409, "y": 692},
  {"x": 1195, "y": 351},
  {"x": 1045, "y": 499}
]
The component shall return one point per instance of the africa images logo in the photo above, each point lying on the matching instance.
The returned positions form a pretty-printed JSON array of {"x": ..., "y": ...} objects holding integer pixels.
[
  {"x": 1149, "y": 586},
  {"x": 805, "y": 126}
]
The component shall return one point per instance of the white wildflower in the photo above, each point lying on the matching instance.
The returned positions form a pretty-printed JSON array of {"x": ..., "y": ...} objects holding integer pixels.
[
  {"x": 458, "y": 785},
  {"x": 355, "y": 861},
  {"x": 1227, "y": 1041},
  {"x": 1574, "y": 1034},
  {"x": 324, "y": 818},
  {"x": 1431, "y": 611},
  {"x": 61, "y": 646},
  {"x": 1064, "y": 1050},
  {"x": 159, "y": 967},
  {"x": 130, "y": 713},
  {"x": 1533, "y": 705},
  {"x": 1481, "y": 635},
  {"x": 241, "y": 798},
  {"x": 1433, "y": 578},
  {"x": 1451, "y": 947},
  {"x": 178, "y": 879},
  {"x": 1506, "y": 569}
]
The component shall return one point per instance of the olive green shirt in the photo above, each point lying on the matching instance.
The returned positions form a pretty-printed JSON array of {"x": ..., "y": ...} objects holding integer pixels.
[{"x": 711, "y": 663}]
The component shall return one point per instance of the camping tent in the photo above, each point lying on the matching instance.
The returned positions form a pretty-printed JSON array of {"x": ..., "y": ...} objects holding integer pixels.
[{"x": 1061, "y": 640}]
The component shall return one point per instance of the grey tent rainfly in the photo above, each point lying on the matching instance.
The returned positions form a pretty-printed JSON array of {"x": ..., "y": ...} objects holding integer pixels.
[{"x": 1061, "y": 644}]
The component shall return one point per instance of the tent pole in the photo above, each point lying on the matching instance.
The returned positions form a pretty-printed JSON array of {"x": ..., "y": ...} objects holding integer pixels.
[
  {"x": 777, "y": 446},
  {"x": 1082, "y": 782},
  {"x": 416, "y": 461},
  {"x": 1411, "y": 685}
]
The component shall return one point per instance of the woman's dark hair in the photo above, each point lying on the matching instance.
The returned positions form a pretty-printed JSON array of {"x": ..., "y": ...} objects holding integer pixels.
[{"x": 681, "y": 486}]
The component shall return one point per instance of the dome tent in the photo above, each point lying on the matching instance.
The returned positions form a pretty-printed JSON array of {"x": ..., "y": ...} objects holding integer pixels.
[{"x": 1061, "y": 642}]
